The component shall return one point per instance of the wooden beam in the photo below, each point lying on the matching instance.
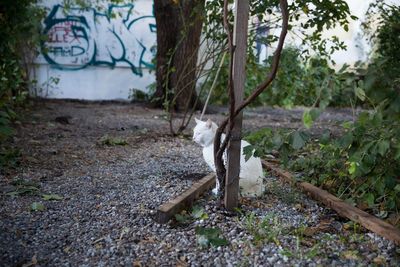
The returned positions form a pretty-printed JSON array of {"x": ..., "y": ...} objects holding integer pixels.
[
  {"x": 344, "y": 209},
  {"x": 167, "y": 210},
  {"x": 239, "y": 76}
]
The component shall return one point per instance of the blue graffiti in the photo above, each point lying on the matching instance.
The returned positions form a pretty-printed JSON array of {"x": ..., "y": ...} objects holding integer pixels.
[{"x": 80, "y": 37}]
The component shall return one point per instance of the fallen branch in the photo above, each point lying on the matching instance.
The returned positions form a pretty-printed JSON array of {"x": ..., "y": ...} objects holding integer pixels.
[{"x": 344, "y": 209}]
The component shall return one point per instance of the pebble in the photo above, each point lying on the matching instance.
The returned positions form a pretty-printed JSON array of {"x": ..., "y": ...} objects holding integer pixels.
[{"x": 120, "y": 188}]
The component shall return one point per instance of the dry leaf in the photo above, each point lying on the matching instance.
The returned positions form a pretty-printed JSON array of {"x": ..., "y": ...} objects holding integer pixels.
[
  {"x": 380, "y": 260},
  {"x": 350, "y": 255}
]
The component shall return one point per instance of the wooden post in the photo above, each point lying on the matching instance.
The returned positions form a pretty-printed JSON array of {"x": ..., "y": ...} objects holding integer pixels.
[{"x": 239, "y": 76}]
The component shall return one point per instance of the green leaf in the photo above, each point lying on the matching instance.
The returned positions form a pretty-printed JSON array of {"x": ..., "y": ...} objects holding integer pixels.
[
  {"x": 297, "y": 140},
  {"x": 370, "y": 199},
  {"x": 183, "y": 219},
  {"x": 383, "y": 147},
  {"x": 360, "y": 93},
  {"x": 277, "y": 140},
  {"x": 307, "y": 119},
  {"x": 397, "y": 188},
  {"x": 217, "y": 242},
  {"x": 37, "y": 206},
  {"x": 353, "y": 167},
  {"x": 210, "y": 236},
  {"x": 309, "y": 116},
  {"x": 248, "y": 152},
  {"x": 202, "y": 241},
  {"x": 198, "y": 213},
  {"x": 51, "y": 197},
  {"x": 346, "y": 140},
  {"x": 326, "y": 136},
  {"x": 347, "y": 124},
  {"x": 24, "y": 190}
]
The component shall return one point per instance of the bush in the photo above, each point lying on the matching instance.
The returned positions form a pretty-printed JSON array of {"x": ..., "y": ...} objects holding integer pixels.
[
  {"x": 19, "y": 38},
  {"x": 362, "y": 166},
  {"x": 299, "y": 82}
]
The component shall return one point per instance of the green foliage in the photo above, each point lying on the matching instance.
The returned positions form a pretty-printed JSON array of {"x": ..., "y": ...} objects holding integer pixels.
[
  {"x": 300, "y": 81},
  {"x": 267, "y": 141},
  {"x": 362, "y": 165},
  {"x": 112, "y": 141},
  {"x": 210, "y": 236},
  {"x": 197, "y": 213},
  {"x": 267, "y": 229},
  {"x": 49, "y": 197},
  {"x": 311, "y": 15},
  {"x": 19, "y": 37},
  {"x": 37, "y": 206},
  {"x": 9, "y": 158}
]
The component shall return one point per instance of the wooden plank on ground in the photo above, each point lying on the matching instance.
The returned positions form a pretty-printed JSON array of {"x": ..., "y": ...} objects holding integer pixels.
[
  {"x": 342, "y": 208},
  {"x": 167, "y": 210}
]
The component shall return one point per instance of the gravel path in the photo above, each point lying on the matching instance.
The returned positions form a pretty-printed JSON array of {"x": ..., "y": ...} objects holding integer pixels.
[{"x": 113, "y": 164}]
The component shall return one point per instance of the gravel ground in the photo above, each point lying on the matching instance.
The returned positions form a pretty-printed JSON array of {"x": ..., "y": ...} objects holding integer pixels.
[{"x": 109, "y": 194}]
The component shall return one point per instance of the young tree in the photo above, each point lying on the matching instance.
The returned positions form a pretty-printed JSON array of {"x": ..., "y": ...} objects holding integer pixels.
[{"x": 319, "y": 15}]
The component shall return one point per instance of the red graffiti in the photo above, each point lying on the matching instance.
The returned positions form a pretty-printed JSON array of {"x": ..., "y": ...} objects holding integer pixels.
[{"x": 63, "y": 33}]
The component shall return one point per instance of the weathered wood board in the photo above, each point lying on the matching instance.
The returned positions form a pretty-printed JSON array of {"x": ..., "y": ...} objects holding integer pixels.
[
  {"x": 167, "y": 210},
  {"x": 344, "y": 209}
]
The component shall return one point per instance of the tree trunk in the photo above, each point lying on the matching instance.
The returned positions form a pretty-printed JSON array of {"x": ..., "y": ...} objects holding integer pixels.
[
  {"x": 179, "y": 27},
  {"x": 167, "y": 29}
]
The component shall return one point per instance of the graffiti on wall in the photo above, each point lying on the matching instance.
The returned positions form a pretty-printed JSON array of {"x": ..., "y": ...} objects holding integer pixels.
[{"x": 80, "y": 37}]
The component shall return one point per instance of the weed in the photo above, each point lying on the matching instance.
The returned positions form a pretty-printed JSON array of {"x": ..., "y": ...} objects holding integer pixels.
[
  {"x": 112, "y": 141},
  {"x": 289, "y": 197},
  {"x": 197, "y": 213},
  {"x": 210, "y": 236},
  {"x": 267, "y": 229},
  {"x": 24, "y": 187}
]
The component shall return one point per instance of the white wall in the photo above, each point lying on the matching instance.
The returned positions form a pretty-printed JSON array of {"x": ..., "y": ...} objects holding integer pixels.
[
  {"x": 97, "y": 53},
  {"x": 104, "y": 52}
]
